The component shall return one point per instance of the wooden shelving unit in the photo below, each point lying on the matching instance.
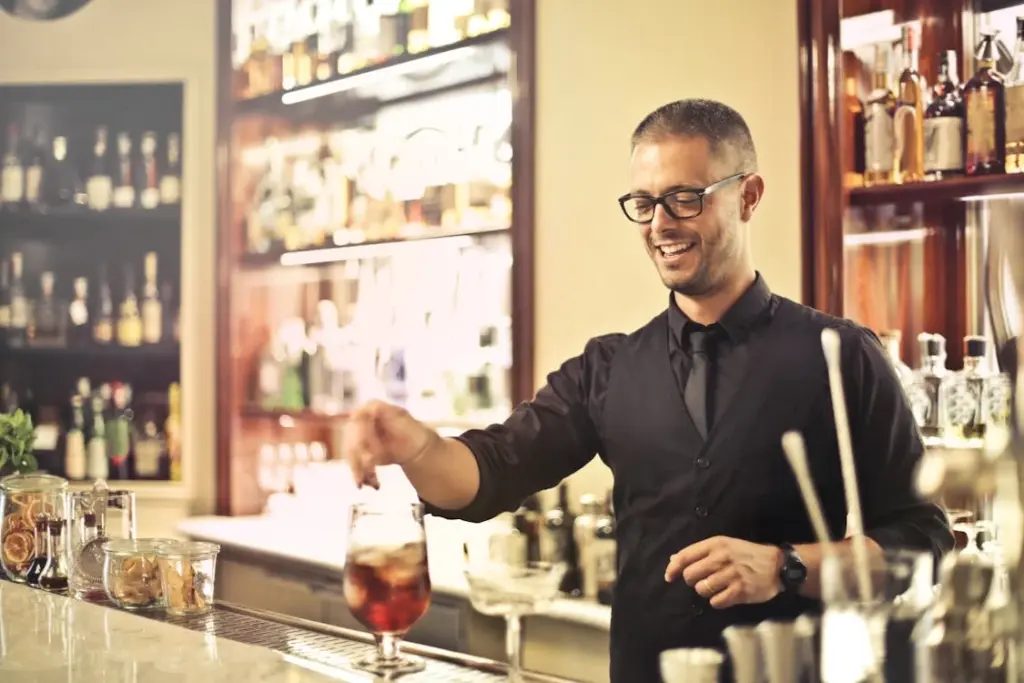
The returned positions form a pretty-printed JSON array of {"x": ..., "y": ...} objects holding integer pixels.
[{"x": 263, "y": 282}]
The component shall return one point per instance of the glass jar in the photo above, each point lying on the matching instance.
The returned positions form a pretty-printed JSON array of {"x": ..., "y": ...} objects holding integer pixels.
[
  {"x": 94, "y": 517},
  {"x": 25, "y": 499},
  {"x": 188, "y": 571},
  {"x": 131, "y": 577}
]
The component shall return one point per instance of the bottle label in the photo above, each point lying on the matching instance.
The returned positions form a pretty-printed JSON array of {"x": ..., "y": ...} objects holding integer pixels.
[
  {"x": 943, "y": 144},
  {"x": 170, "y": 189},
  {"x": 104, "y": 332},
  {"x": 604, "y": 563},
  {"x": 981, "y": 126},
  {"x": 149, "y": 198},
  {"x": 97, "y": 459},
  {"x": 19, "y": 313},
  {"x": 1014, "y": 101},
  {"x": 129, "y": 331},
  {"x": 33, "y": 182},
  {"x": 152, "y": 321},
  {"x": 74, "y": 456},
  {"x": 147, "y": 457},
  {"x": 98, "y": 191},
  {"x": 12, "y": 184},
  {"x": 878, "y": 139},
  {"x": 124, "y": 197}
]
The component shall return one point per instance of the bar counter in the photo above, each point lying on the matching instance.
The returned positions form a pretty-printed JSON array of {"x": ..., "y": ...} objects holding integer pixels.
[{"x": 46, "y": 638}]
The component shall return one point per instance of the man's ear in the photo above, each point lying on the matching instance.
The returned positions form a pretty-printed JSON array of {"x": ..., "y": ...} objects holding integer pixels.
[{"x": 750, "y": 193}]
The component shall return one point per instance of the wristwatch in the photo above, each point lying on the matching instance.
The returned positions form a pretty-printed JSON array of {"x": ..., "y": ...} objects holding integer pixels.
[{"x": 793, "y": 572}]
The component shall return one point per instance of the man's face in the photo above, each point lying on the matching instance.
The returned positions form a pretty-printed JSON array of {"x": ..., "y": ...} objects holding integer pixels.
[{"x": 694, "y": 256}]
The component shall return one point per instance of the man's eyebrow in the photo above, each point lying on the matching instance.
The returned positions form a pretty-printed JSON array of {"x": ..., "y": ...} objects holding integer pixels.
[{"x": 672, "y": 188}]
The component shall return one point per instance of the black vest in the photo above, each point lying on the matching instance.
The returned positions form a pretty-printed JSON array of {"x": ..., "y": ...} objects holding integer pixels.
[{"x": 673, "y": 488}]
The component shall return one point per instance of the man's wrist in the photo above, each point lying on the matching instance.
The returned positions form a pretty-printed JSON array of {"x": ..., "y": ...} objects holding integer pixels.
[{"x": 434, "y": 440}]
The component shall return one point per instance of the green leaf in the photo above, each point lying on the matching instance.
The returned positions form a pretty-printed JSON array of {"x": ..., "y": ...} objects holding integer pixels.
[{"x": 17, "y": 437}]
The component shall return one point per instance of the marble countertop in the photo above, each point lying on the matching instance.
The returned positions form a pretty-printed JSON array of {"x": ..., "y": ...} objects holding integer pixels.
[
  {"x": 281, "y": 538},
  {"x": 47, "y": 638}
]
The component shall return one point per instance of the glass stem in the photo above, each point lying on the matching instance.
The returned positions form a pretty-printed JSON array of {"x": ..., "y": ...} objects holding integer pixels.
[
  {"x": 514, "y": 647},
  {"x": 387, "y": 647}
]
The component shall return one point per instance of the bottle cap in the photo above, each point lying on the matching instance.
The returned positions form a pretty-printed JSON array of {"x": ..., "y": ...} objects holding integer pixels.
[{"x": 975, "y": 347}]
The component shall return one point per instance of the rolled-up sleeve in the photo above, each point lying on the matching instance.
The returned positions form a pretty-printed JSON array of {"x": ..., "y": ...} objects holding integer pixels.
[
  {"x": 543, "y": 441},
  {"x": 888, "y": 449}
]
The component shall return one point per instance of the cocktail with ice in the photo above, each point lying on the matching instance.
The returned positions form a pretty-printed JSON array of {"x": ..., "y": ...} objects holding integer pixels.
[{"x": 387, "y": 586}]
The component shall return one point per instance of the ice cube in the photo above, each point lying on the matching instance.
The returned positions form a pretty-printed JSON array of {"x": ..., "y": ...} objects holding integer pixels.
[{"x": 355, "y": 595}]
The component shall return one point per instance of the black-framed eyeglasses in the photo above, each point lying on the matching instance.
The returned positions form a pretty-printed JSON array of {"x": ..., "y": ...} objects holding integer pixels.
[{"x": 680, "y": 204}]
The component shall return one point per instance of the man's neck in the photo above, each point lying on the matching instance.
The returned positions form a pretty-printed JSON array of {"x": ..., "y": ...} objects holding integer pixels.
[{"x": 709, "y": 309}]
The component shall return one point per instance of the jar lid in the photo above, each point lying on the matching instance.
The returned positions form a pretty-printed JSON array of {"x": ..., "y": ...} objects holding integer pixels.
[
  {"x": 136, "y": 546},
  {"x": 21, "y": 483},
  {"x": 189, "y": 549}
]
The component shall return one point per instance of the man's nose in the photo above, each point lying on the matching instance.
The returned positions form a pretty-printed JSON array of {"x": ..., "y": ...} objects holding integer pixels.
[{"x": 661, "y": 220}]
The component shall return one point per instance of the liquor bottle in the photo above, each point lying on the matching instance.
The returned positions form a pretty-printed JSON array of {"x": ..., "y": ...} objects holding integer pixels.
[
  {"x": 891, "y": 342},
  {"x": 54, "y": 577},
  {"x": 170, "y": 181},
  {"x": 984, "y": 103},
  {"x": 852, "y": 131},
  {"x": 96, "y": 465},
  {"x": 962, "y": 393},
  {"x": 170, "y": 326},
  {"x": 944, "y": 123},
  {"x": 47, "y": 323},
  {"x": 103, "y": 328},
  {"x": 18, "y": 331},
  {"x": 118, "y": 430},
  {"x": 152, "y": 308},
  {"x": 74, "y": 441},
  {"x": 605, "y": 557},
  {"x": 12, "y": 177},
  {"x": 79, "y": 332},
  {"x": 172, "y": 431},
  {"x": 923, "y": 393},
  {"x": 908, "y": 151},
  {"x": 35, "y": 173},
  {"x": 583, "y": 534},
  {"x": 533, "y": 521},
  {"x": 1014, "y": 102},
  {"x": 878, "y": 125},
  {"x": 62, "y": 185},
  {"x": 5, "y": 300},
  {"x": 124, "y": 188},
  {"x": 99, "y": 188},
  {"x": 149, "y": 194},
  {"x": 150, "y": 450},
  {"x": 129, "y": 321}
]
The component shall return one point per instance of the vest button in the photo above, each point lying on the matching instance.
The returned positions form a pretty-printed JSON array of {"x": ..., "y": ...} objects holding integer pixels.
[
  {"x": 701, "y": 511},
  {"x": 703, "y": 463},
  {"x": 697, "y": 610}
]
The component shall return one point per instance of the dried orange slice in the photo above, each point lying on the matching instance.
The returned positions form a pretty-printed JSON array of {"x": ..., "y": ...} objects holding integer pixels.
[{"x": 19, "y": 548}]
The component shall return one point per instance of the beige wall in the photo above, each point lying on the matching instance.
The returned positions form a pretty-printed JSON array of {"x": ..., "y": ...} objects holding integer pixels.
[
  {"x": 601, "y": 67},
  {"x": 151, "y": 40}
]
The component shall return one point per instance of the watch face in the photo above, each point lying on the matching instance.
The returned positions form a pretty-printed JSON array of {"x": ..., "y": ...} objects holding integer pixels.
[{"x": 42, "y": 10}]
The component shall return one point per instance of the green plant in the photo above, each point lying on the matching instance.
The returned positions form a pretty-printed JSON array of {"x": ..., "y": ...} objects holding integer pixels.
[{"x": 17, "y": 437}]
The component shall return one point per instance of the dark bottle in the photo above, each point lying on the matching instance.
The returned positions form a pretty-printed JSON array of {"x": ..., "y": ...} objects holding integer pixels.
[
  {"x": 561, "y": 544},
  {"x": 605, "y": 555},
  {"x": 54, "y": 576},
  {"x": 533, "y": 520},
  {"x": 944, "y": 123},
  {"x": 118, "y": 431},
  {"x": 5, "y": 300},
  {"x": 62, "y": 184},
  {"x": 42, "y": 558},
  {"x": 984, "y": 98}
]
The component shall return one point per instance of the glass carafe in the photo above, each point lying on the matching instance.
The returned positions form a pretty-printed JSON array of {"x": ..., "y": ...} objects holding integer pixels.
[
  {"x": 94, "y": 516},
  {"x": 24, "y": 499}
]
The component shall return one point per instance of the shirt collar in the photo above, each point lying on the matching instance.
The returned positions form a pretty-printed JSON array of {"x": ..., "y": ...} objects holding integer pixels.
[{"x": 736, "y": 322}]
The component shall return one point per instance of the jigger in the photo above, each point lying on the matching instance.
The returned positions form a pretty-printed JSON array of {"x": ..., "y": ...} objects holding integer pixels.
[
  {"x": 691, "y": 665},
  {"x": 744, "y": 647}
]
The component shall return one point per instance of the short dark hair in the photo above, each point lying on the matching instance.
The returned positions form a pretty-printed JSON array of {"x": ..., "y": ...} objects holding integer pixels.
[{"x": 717, "y": 123}]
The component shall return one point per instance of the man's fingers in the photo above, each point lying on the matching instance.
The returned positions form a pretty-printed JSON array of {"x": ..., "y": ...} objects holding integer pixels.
[
  {"x": 704, "y": 567},
  {"x": 716, "y": 582},
  {"x": 687, "y": 556},
  {"x": 732, "y": 595}
]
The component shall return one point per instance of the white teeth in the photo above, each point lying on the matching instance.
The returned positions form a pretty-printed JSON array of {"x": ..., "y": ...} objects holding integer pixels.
[{"x": 674, "y": 249}]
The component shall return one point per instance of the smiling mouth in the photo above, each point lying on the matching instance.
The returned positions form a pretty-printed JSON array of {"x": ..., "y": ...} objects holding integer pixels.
[{"x": 675, "y": 248}]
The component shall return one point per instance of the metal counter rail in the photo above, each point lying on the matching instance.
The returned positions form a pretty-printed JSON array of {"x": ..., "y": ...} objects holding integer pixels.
[{"x": 334, "y": 647}]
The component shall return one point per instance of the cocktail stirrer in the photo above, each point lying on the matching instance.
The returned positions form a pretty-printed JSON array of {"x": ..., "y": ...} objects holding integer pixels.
[{"x": 830, "y": 346}]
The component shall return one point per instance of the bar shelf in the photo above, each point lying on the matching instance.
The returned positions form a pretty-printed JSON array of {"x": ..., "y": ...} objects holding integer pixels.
[{"x": 975, "y": 188}]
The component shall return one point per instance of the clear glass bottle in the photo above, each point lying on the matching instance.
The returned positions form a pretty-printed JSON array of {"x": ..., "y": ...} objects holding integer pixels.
[
  {"x": 48, "y": 325},
  {"x": 962, "y": 394},
  {"x": 908, "y": 160},
  {"x": 150, "y": 449},
  {"x": 152, "y": 307},
  {"x": 54, "y": 577},
  {"x": 12, "y": 174},
  {"x": 170, "y": 182},
  {"x": 149, "y": 191},
  {"x": 94, "y": 516},
  {"x": 79, "y": 332},
  {"x": 1014, "y": 97},
  {"x": 96, "y": 464},
  {"x": 591, "y": 508},
  {"x": 124, "y": 189},
  {"x": 17, "y": 333},
  {"x": 99, "y": 187},
  {"x": 604, "y": 552},
  {"x": 923, "y": 391},
  {"x": 891, "y": 342},
  {"x": 984, "y": 103},
  {"x": 103, "y": 327},
  {"x": 129, "y": 322},
  {"x": 74, "y": 441}
]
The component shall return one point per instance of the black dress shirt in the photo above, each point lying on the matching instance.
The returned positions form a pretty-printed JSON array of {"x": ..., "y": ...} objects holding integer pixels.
[{"x": 675, "y": 487}]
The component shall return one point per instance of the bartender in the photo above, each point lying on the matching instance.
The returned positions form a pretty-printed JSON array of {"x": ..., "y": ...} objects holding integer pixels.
[{"x": 688, "y": 413}]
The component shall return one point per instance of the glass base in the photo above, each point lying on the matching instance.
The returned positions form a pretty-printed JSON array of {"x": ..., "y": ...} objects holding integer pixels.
[{"x": 400, "y": 665}]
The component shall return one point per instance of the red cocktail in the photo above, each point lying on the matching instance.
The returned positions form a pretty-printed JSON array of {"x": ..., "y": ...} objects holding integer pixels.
[{"x": 387, "y": 585}]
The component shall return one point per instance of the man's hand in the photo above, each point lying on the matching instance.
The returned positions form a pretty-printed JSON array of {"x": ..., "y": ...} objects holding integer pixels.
[{"x": 729, "y": 571}]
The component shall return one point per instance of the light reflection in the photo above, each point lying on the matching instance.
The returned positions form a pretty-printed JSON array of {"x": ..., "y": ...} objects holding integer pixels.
[{"x": 884, "y": 238}]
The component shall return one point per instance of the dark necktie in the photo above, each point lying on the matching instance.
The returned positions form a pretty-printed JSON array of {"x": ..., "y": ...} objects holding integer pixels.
[{"x": 697, "y": 394}]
